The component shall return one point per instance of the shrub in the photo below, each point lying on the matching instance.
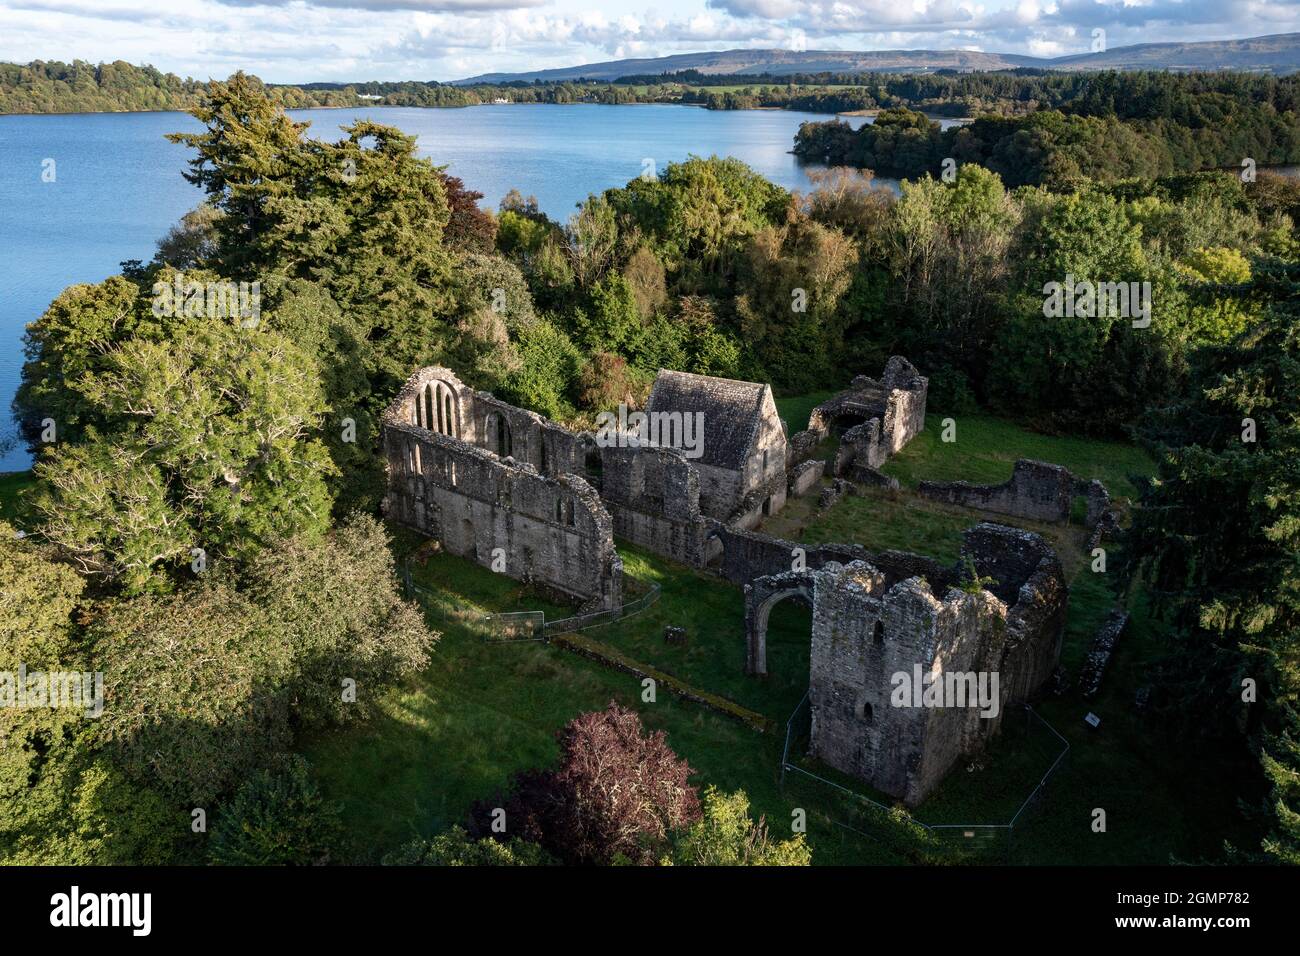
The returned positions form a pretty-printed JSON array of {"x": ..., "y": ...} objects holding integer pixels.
[
  {"x": 726, "y": 836},
  {"x": 616, "y": 796},
  {"x": 277, "y": 818},
  {"x": 604, "y": 382},
  {"x": 457, "y": 848}
]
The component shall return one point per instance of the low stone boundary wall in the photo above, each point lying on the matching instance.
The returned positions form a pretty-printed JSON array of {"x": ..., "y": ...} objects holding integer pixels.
[
  {"x": 864, "y": 474},
  {"x": 610, "y": 657},
  {"x": 1037, "y": 490},
  {"x": 1100, "y": 652}
]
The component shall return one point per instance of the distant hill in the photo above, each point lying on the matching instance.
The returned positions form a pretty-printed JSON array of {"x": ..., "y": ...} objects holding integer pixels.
[
  {"x": 1270, "y": 54},
  {"x": 47, "y": 86}
]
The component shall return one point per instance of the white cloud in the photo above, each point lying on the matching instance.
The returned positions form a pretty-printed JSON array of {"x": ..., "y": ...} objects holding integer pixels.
[{"x": 301, "y": 40}]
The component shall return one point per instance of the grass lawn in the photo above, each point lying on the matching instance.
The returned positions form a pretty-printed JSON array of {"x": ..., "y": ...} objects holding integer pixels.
[
  {"x": 455, "y": 733},
  {"x": 483, "y": 711},
  {"x": 986, "y": 448}
]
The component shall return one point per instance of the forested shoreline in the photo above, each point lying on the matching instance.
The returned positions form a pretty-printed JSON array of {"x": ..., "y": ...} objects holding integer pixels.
[
  {"x": 1050, "y": 147},
  {"x": 1031, "y": 127}
]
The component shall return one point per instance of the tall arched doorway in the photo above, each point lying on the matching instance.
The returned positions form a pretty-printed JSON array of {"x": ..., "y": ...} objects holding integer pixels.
[{"x": 761, "y": 595}]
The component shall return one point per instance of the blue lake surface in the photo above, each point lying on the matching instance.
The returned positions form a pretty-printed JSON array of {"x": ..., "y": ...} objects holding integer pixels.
[{"x": 117, "y": 184}]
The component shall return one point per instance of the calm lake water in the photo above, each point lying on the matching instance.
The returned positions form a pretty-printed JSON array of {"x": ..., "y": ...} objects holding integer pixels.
[{"x": 117, "y": 184}]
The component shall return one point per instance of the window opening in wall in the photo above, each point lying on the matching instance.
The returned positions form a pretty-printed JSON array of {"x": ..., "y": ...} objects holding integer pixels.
[{"x": 504, "y": 449}]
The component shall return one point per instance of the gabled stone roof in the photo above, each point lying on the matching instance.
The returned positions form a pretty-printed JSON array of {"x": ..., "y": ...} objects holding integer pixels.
[{"x": 733, "y": 412}]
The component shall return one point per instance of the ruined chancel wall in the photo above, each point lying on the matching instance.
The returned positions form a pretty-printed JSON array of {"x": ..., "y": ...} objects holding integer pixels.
[{"x": 526, "y": 518}]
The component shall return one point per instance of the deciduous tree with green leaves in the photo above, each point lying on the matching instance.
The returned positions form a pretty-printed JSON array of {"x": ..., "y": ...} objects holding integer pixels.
[{"x": 727, "y": 836}]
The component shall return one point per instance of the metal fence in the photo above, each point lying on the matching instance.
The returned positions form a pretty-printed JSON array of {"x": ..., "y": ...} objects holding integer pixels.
[
  {"x": 798, "y": 732},
  {"x": 514, "y": 626},
  {"x": 580, "y": 622}
]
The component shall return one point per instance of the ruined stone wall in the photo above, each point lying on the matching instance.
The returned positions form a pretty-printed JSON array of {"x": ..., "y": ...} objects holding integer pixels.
[
  {"x": 863, "y": 634},
  {"x": 800, "y": 447},
  {"x": 878, "y": 617},
  {"x": 653, "y": 499},
  {"x": 436, "y": 399},
  {"x": 861, "y": 443},
  {"x": 1100, "y": 651},
  {"x": 892, "y": 412},
  {"x": 1028, "y": 576},
  {"x": 904, "y": 419},
  {"x": 805, "y": 475},
  {"x": 747, "y": 555},
  {"x": 517, "y": 433},
  {"x": 1036, "y": 490},
  {"x": 901, "y": 565},
  {"x": 1097, "y": 499},
  {"x": 552, "y": 531}
]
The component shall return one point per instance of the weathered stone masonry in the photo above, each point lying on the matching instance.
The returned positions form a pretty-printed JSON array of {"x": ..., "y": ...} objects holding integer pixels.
[
  {"x": 653, "y": 495},
  {"x": 742, "y": 468},
  {"x": 1037, "y": 490},
  {"x": 480, "y": 475},
  {"x": 876, "y": 418},
  {"x": 551, "y": 528},
  {"x": 869, "y": 624},
  {"x": 664, "y": 501}
]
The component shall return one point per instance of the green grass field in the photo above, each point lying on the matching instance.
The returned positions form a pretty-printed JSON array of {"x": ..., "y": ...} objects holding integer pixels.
[
  {"x": 794, "y": 410},
  {"x": 986, "y": 448},
  {"x": 482, "y": 711}
]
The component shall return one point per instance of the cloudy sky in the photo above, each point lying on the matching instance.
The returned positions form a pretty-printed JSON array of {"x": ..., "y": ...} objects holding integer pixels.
[{"x": 301, "y": 40}]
